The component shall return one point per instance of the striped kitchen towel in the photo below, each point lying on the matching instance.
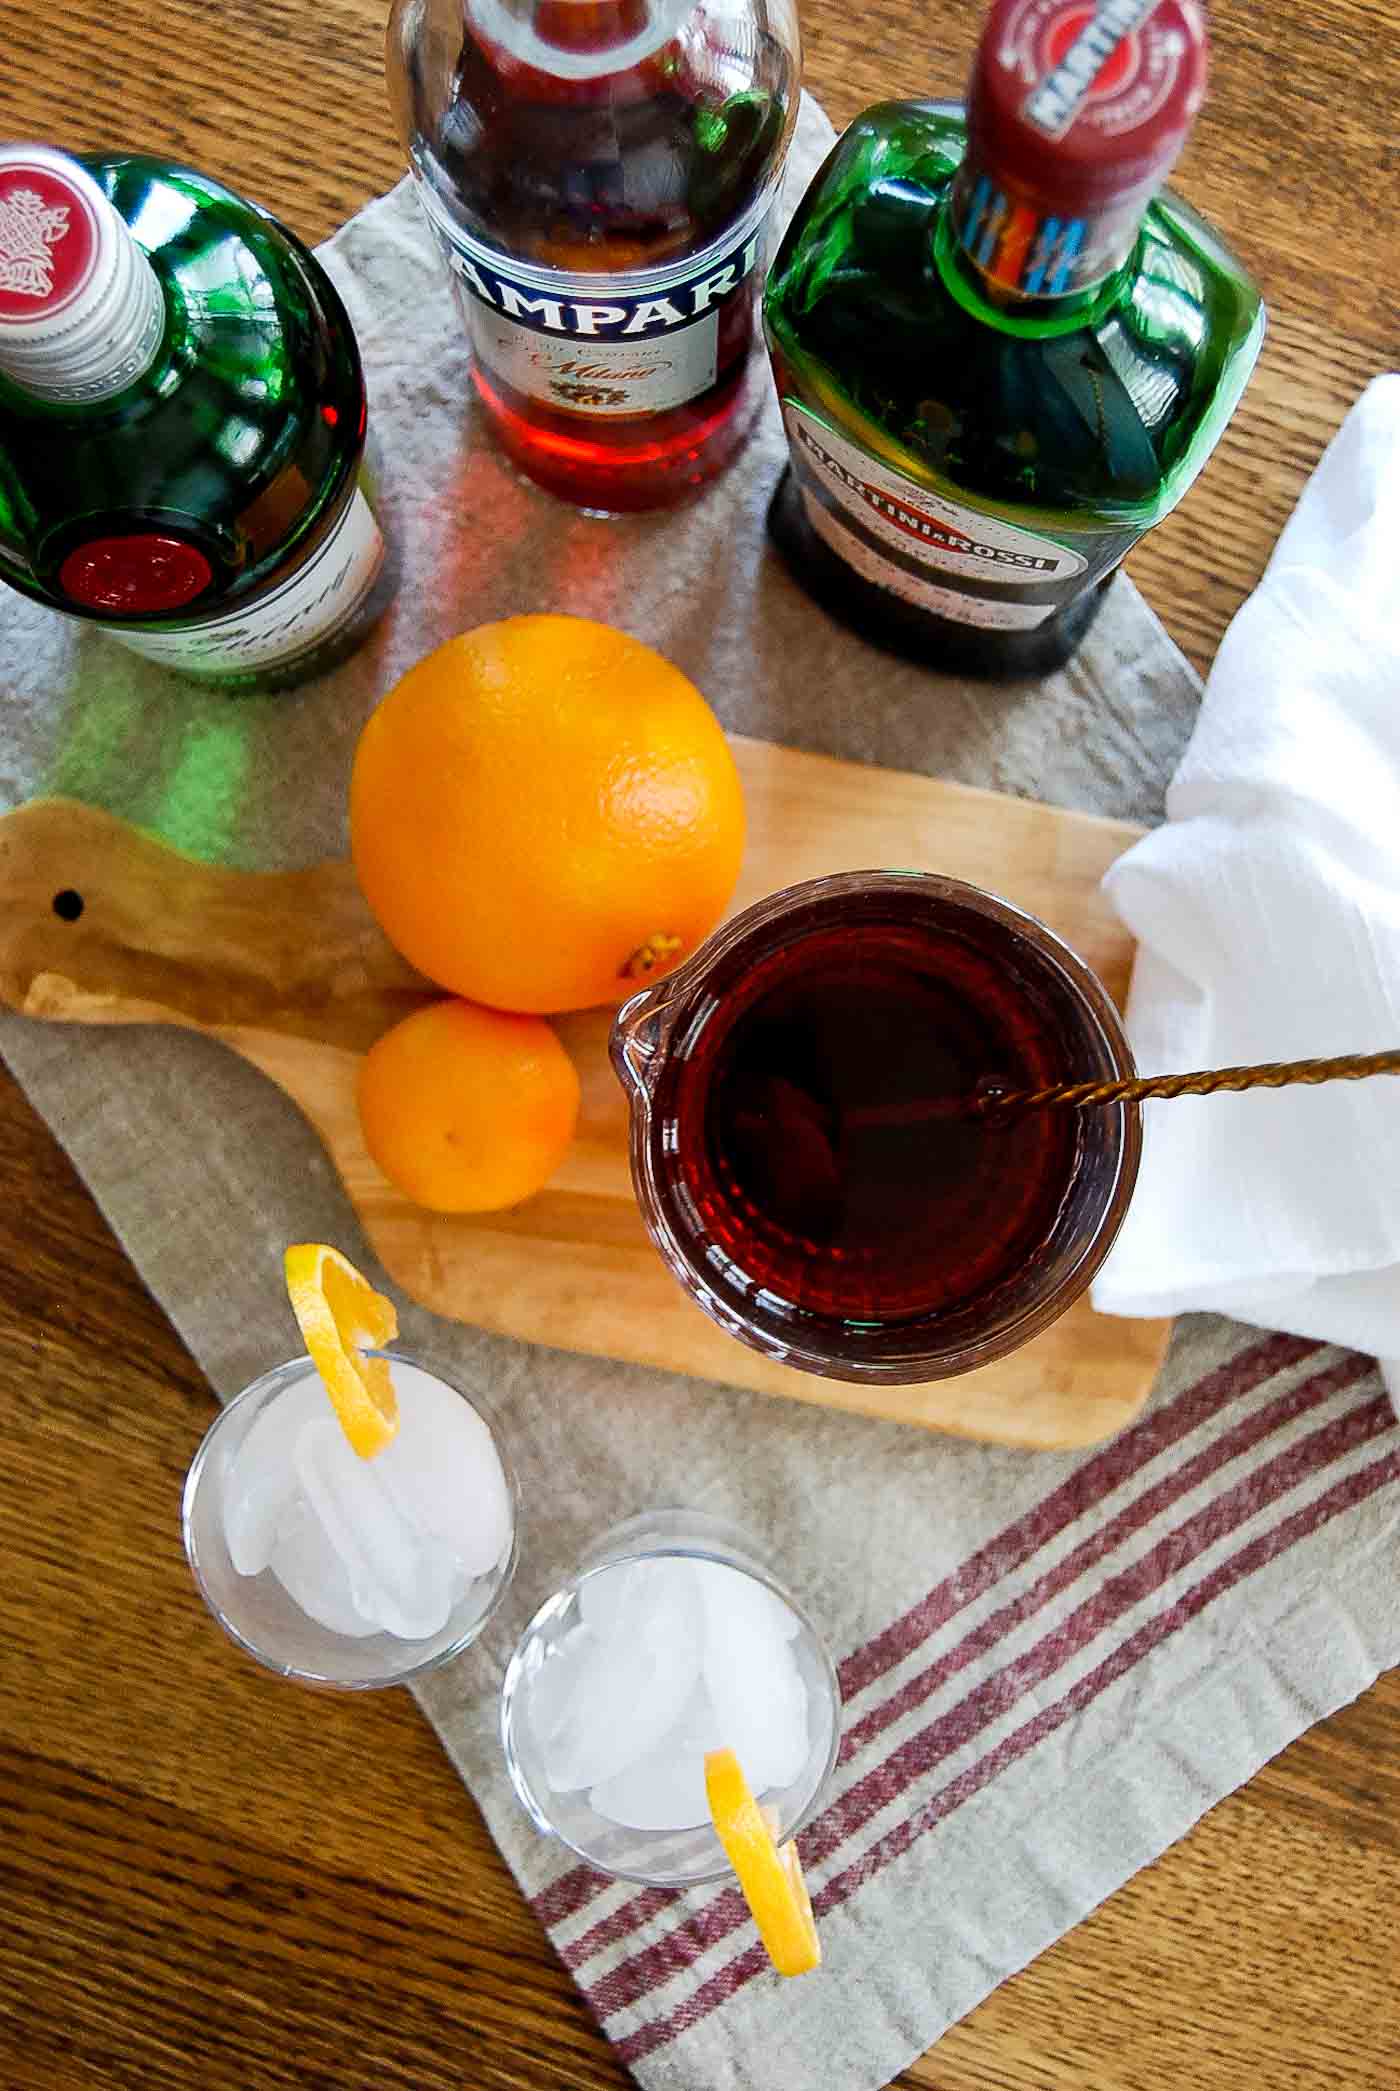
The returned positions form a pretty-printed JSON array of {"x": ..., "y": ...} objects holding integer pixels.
[{"x": 1096, "y": 1650}]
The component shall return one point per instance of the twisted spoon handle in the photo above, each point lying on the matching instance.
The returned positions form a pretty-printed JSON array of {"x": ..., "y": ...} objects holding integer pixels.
[{"x": 994, "y": 1101}]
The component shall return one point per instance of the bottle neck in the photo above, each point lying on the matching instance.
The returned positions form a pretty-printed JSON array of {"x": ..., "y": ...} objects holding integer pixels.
[
  {"x": 1018, "y": 265},
  {"x": 82, "y": 312}
]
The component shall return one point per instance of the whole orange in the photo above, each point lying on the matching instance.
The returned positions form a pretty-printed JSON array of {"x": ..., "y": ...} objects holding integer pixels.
[
  {"x": 545, "y": 814},
  {"x": 467, "y": 1109}
]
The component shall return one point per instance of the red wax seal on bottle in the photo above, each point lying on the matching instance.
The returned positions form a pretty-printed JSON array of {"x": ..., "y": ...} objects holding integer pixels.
[
  {"x": 1085, "y": 102},
  {"x": 136, "y": 576},
  {"x": 49, "y": 238}
]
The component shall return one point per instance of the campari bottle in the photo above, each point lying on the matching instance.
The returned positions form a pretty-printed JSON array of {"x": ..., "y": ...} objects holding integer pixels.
[
  {"x": 599, "y": 176},
  {"x": 1003, "y": 351},
  {"x": 182, "y": 422}
]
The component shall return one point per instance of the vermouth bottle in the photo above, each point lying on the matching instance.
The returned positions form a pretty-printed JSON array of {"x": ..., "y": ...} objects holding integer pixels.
[
  {"x": 1003, "y": 353},
  {"x": 182, "y": 422},
  {"x": 598, "y": 175}
]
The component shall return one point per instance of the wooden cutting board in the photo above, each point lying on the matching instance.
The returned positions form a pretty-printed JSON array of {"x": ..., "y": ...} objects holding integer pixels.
[{"x": 289, "y": 969}]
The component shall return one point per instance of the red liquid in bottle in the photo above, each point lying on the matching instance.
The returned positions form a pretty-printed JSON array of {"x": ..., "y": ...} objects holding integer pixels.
[{"x": 621, "y": 470}]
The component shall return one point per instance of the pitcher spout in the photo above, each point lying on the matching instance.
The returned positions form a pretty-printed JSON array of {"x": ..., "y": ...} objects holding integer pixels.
[{"x": 638, "y": 1032}]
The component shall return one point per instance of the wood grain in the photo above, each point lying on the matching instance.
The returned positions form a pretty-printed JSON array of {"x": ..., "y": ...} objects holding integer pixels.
[
  {"x": 164, "y": 939},
  {"x": 208, "y": 1879}
]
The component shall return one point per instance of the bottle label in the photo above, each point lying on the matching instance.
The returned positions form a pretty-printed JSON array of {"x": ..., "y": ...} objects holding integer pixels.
[
  {"x": 318, "y": 601},
  {"x": 1033, "y": 251},
  {"x": 637, "y": 343},
  {"x": 1039, "y": 253},
  {"x": 899, "y": 534}
]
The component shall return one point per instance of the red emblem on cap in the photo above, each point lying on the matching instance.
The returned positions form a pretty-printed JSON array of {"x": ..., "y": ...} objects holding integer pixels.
[
  {"x": 48, "y": 242},
  {"x": 135, "y": 576},
  {"x": 1064, "y": 34}
]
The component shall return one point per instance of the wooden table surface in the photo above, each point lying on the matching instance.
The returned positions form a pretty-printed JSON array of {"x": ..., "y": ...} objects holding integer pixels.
[{"x": 208, "y": 1878}]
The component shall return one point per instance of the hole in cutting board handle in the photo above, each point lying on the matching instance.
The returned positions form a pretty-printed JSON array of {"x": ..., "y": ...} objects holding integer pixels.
[{"x": 68, "y": 905}]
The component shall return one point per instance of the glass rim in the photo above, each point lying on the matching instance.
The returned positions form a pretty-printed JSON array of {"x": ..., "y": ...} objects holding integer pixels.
[
  {"x": 658, "y": 995},
  {"x": 314, "y": 1678},
  {"x": 557, "y": 1602}
]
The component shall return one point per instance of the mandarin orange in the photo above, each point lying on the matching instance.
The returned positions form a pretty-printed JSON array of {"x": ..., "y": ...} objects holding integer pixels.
[
  {"x": 468, "y": 1109},
  {"x": 544, "y": 815}
]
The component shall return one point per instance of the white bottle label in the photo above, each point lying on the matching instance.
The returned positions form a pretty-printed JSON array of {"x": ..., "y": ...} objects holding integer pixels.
[
  {"x": 599, "y": 346},
  {"x": 318, "y": 601},
  {"x": 897, "y": 534},
  {"x": 999, "y": 614},
  {"x": 600, "y": 377}
]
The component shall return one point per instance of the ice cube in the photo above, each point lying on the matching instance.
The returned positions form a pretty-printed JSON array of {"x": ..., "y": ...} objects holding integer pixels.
[
  {"x": 399, "y": 1580},
  {"x": 665, "y": 1790},
  {"x": 615, "y": 1600},
  {"x": 443, "y": 1473},
  {"x": 632, "y": 1684},
  {"x": 727, "y": 1587},
  {"x": 310, "y": 1574},
  {"x": 552, "y": 1686},
  {"x": 750, "y": 1669},
  {"x": 262, "y": 1479}
]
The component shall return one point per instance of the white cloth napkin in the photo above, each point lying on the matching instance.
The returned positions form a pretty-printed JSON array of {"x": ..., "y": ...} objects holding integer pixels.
[{"x": 1267, "y": 912}]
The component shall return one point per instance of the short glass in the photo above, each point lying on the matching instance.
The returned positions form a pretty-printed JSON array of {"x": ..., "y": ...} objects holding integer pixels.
[
  {"x": 672, "y": 1857},
  {"x": 256, "y": 1610},
  {"x": 801, "y": 1149}
]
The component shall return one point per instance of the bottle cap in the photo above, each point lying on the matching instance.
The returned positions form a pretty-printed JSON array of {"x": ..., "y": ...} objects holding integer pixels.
[
  {"x": 578, "y": 39},
  {"x": 81, "y": 311},
  {"x": 1085, "y": 103}
]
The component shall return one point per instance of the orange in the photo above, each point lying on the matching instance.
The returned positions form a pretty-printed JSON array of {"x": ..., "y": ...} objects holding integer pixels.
[
  {"x": 340, "y": 1314},
  {"x": 545, "y": 815},
  {"x": 468, "y": 1109},
  {"x": 771, "y": 1878}
]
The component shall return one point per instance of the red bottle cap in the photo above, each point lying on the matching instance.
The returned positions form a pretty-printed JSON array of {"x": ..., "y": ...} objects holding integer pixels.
[
  {"x": 51, "y": 234},
  {"x": 135, "y": 576},
  {"x": 1084, "y": 103},
  {"x": 82, "y": 313}
]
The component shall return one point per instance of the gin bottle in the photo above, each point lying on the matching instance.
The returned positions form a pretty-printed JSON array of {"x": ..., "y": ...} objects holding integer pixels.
[
  {"x": 182, "y": 422},
  {"x": 598, "y": 175},
  {"x": 1003, "y": 351}
]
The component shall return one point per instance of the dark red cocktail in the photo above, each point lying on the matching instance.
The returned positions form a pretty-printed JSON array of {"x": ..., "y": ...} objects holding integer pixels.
[{"x": 803, "y": 1148}]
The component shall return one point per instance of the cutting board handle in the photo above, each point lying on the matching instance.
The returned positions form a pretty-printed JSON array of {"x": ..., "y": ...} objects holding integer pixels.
[{"x": 102, "y": 924}]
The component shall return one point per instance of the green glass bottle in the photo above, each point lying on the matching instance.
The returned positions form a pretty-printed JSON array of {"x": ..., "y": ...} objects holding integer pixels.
[
  {"x": 182, "y": 422},
  {"x": 1002, "y": 354}
]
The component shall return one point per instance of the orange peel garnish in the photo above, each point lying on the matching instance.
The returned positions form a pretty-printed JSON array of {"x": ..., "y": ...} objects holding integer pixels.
[
  {"x": 770, "y": 1877},
  {"x": 340, "y": 1316}
]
